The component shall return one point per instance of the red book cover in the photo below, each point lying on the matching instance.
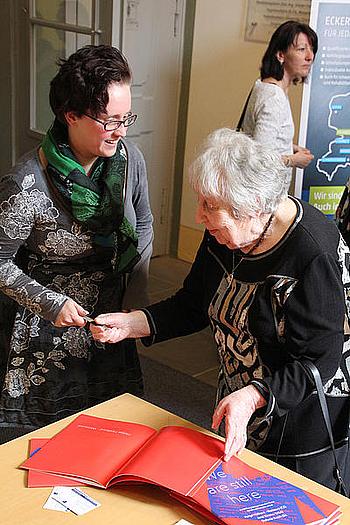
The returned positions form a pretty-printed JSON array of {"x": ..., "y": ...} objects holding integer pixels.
[
  {"x": 90, "y": 449},
  {"x": 186, "y": 463},
  {"x": 37, "y": 479},
  {"x": 103, "y": 452}
]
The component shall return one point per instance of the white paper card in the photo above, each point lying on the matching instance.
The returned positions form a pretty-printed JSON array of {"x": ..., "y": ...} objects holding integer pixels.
[
  {"x": 52, "y": 504},
  {"x": 74, "y": 499}
]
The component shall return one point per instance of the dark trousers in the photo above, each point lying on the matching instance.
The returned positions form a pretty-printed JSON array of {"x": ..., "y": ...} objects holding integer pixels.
[{"x": 320, "y": 467}]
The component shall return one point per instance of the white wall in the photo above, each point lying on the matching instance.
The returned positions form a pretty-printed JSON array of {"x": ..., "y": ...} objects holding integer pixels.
[{"x": 224, "y": 67}]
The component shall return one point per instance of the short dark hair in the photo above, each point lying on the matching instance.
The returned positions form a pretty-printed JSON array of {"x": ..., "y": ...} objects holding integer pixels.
[
  {"x": 281, "y": 40},
  {"x": 82, "y": 81}
]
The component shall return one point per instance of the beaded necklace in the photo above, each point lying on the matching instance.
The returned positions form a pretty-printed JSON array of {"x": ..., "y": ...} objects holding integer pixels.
[{"x": 255, "y": 245}]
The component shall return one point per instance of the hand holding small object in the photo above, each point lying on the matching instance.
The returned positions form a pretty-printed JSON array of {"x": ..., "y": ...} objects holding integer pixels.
[
  {"x": 88, "y": 319},
  {"x": 71, "y": 314},
  {"x": 118, "y": 326}
]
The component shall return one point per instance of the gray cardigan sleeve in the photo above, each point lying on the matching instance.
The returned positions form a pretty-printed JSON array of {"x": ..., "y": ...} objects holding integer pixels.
[
  {"x": 23, "y": 208},
  {"x": 138, "y": 212}
]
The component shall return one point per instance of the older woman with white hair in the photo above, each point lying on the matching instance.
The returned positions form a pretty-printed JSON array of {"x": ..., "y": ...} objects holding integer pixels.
[{"x": 269, "y": 278}]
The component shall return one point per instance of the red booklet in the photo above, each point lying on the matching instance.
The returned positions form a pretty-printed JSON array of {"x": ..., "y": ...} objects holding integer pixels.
[
  {"x": 37, "y": 479},
  {"x": 186, "y": 463},
  {"x": 102, "y": 452}
]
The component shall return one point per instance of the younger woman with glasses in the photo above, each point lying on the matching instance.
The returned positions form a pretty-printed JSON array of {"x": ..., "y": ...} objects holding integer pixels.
[{"x": 75, "y": 241}]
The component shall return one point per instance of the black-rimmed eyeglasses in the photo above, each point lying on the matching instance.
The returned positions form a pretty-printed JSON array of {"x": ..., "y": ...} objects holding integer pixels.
[{"x": 112, "y": 125}]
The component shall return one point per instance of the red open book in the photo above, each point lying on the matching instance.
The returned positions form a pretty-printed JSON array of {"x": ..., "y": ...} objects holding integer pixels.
[
  {"x": 38, "y": 479},
  {"x": 186, "y": 463}
]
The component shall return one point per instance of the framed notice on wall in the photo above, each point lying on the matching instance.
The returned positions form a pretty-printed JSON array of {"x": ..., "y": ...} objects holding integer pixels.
[{"x": 264, "y": 16}]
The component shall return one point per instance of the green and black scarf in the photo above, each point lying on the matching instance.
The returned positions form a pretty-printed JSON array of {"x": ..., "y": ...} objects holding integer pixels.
[{"x": 96, "y": 201}]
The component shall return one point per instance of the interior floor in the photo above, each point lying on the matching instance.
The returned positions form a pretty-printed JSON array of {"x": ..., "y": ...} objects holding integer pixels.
[{"x": 194, "y": 355}]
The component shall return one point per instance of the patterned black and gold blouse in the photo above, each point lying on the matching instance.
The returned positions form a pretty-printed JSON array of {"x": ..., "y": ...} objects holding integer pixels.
[{"x": 275, "y": 310}]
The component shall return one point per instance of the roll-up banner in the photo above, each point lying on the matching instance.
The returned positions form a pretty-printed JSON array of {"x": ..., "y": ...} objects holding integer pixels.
[{"x": 325, "y": 115}]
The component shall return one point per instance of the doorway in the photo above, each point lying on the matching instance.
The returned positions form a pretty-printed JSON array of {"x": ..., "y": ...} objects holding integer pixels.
[{"x": 150, "y": 34}]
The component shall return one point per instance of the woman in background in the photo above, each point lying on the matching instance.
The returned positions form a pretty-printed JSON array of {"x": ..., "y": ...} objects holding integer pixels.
[
  {"x": 268, "y": 117},
  {"x": 75, "y": 226}
]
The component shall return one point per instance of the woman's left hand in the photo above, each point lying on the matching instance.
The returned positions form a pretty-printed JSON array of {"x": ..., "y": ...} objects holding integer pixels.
[
  {"x": 71, "y": 314},
  {"x": 237, "y": 409}
]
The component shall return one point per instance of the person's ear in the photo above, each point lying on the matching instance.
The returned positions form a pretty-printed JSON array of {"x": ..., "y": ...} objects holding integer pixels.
[
  {"x": 280, "y": 57},
  {"x": 71, "y": 118}
]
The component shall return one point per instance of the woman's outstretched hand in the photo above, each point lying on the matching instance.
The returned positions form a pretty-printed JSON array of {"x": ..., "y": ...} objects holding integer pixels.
[
  {"x": 237, "y": 409},
  {"x": 112, "y": 328}
]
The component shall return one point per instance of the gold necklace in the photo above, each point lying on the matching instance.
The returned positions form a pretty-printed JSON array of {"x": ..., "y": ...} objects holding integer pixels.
[{"x": 255, "y": 245}]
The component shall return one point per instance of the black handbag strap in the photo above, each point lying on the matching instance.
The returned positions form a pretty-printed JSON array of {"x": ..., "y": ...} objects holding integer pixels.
[
  {"x": 309, "y": 365},
  {"x": 241, "y": 118}
]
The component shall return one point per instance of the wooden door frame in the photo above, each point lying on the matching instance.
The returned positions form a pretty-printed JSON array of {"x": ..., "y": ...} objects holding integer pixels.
[{"x": 187, "y": 47}]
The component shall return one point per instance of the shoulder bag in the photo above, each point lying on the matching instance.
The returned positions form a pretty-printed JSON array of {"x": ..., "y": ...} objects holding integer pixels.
[{"x": 339, "y": 469}]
